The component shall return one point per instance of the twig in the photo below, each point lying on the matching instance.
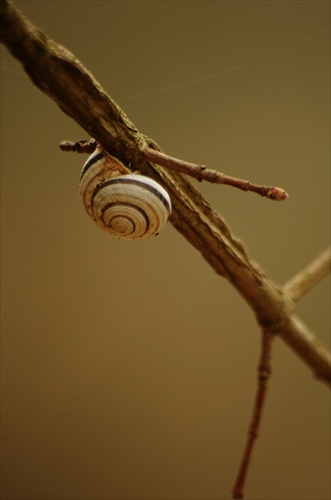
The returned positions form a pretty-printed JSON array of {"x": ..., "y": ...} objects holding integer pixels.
[
  {"x": 264, "y": 372},
  {"x": 304, "y": 280},
  {"x": 201, "y": 173}
]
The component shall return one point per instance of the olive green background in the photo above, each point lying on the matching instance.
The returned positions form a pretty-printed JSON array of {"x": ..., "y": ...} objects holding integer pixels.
[{"x": 129, "y": 368}]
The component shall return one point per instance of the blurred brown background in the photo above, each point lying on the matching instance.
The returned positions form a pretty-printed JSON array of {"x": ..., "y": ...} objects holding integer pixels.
[{"x": 129, "y": 368}]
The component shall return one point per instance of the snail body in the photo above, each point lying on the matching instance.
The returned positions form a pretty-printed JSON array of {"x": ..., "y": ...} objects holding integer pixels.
[{"x": 126, "y": 205}]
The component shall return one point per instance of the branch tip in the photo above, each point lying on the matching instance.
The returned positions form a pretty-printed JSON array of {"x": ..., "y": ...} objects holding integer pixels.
[{"x": 277, "y": 194}]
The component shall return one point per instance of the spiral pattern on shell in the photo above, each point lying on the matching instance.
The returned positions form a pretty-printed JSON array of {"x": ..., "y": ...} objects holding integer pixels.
[{"x": 123, "y": 204}]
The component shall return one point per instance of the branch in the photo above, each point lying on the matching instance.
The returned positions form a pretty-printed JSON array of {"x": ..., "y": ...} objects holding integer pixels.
[
  {"x": 308, "y": 277},
  {"x": 54, "y": 70},
  {"x": 201, "y": 173},
  {"x": 264, "y": 371}
]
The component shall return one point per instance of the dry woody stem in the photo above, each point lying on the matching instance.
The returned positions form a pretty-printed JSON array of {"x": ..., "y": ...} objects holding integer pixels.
[
  {"x": 264, "y": 372},
  {"x": 308, "y": 277},
  {"x": 201, "y": 173}
]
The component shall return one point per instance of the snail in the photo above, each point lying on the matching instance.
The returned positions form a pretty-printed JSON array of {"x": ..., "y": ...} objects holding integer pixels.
[{"x": 126, "y": 205}]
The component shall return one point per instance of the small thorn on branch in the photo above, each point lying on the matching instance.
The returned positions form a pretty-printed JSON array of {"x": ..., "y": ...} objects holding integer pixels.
[{"x": 201, "y": 173}]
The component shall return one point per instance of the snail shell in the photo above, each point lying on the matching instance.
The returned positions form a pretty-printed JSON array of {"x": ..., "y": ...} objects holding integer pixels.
[{"x": 123, "y": 204}]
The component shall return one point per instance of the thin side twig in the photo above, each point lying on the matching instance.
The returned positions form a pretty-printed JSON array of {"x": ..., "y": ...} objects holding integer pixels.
[
  {"x": 264, "y": 371},
  {"x": 296, "y": 287},
  {"x": 201, "y": 173}
]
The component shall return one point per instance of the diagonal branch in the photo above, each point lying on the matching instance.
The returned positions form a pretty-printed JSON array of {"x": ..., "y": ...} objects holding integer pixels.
[
  {"x": 201, "y": 173},
  {"x": 55, "y": 71},
  {"x": 307, "y": 278}
]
